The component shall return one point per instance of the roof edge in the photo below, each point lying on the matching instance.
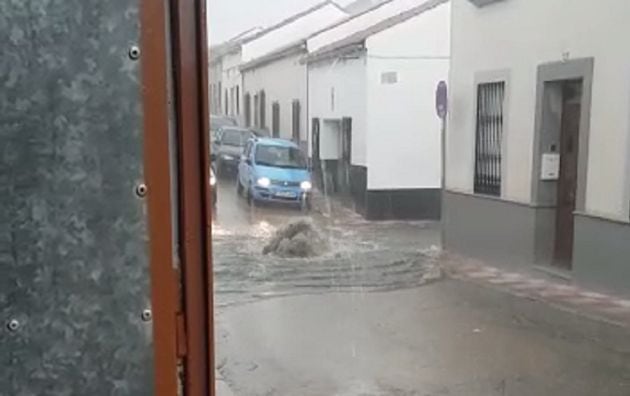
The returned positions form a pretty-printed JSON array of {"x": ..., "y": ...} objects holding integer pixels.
[
  {"x": 351, "y": 48},
  {"x": 291, "y": 19},
  {"x": 280, "y": 53},
  {"x": 380, "y": 26},
  {"x": 349, "y": 18}
]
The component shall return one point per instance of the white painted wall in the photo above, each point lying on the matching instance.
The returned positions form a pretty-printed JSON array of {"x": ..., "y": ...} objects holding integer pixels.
[
  {"x": 360, "y": 23},
  {"x": 282, "y": 80},
  {"x": 347, "y": 77},
  {"x": 215, "y": 77},
  {"x": 517, "y": 36},
  {"x": 291, "y": 32},
  {"x": 404, "y": 143},
  {"x": 231, "y": 79}
]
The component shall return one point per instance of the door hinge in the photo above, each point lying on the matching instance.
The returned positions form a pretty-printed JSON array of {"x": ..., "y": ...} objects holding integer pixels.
[{"x": 182, "y": 342}]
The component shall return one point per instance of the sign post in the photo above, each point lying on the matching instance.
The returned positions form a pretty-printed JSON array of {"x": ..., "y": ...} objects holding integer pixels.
[{"x": 441, "y": 108}]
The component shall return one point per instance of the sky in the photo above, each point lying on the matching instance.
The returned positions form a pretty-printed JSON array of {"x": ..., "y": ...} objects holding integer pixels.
[{"x": 228, "y": 18}]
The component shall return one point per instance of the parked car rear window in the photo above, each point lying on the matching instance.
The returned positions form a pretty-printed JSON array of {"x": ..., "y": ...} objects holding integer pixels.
[
  {"x": 219, "y": 122},
  {"x": 235, "y": 138}
]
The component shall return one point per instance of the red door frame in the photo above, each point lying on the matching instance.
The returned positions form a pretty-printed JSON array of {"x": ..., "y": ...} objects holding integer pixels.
[
  {"x": 183, "y": 315},
  {"x": 164, "y": 278},
  {"x": 191, "y": 96}
]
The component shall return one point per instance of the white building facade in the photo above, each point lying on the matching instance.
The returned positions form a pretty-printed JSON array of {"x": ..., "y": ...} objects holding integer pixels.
[
  {"x": 275, "y": 96},
  {"x": 274, "y": 81},
  {"x": 215, "y": 66},
  {"x": 538, "y": 142},
  {"x": 232, "y": 82},
  {"x": 374, "y": 133}
]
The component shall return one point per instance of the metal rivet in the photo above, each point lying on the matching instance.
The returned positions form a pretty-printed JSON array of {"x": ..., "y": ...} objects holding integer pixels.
[
  {"x": 147, "y": 315},
  {"x": 13, "y": 325},
  {"x": 141, "y": 190},
  {"x": 134, "y": 52}
]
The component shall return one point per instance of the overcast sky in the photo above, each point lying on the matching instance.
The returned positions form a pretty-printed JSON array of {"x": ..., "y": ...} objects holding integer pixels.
[{"x": 228, "y": 18}]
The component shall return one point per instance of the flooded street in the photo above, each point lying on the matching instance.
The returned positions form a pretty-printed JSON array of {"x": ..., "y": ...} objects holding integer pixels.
[
  {"x": 361, "y": 257},
  {"x": 373, "y": 316}
]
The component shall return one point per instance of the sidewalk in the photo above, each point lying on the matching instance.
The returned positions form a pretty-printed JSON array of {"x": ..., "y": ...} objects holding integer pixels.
[
  {"x": 333, "y": 206},
  {"x": 527, "y": 283},
  {"x": 523, "y": 282},
  {"x": 451, "y": 337}
]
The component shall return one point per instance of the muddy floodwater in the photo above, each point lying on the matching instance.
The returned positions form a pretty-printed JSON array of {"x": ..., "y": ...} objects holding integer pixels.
[{"x": 354, "y": 308}]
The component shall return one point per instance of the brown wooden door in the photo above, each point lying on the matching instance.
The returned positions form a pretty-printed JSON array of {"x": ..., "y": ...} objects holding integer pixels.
[
  {"x": 275, "y": 119},
  {"x": 567, "y": 183},
  {"x": 296, "y": 114},
  {"x": 346, "y": 154}
]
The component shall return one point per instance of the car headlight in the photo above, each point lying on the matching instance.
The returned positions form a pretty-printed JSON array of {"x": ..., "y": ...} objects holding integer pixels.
[
  {"x": 306, "y": 185},
  {"x": 263, "y": 182},
  {"x": 213, "y": 180},
  {"x": 227, "y": 157}
]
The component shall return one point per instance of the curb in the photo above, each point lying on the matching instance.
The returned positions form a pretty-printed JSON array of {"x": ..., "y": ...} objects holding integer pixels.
[
  {"x": 600, "y": 306},
  {"x": 331, "y": 208}
]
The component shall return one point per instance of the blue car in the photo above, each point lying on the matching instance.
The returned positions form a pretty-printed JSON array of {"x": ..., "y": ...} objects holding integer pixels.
[{"x": 274, "y": 170}]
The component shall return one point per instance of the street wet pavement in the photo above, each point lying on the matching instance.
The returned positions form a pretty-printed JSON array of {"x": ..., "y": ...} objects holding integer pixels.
[
  {"x": 361, "y": 257},
  {"x": 371, "y": 317}
]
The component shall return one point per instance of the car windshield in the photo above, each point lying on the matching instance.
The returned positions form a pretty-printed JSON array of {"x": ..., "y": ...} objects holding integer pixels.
[
  {"x": 235, "y": 138},
  {"x": 280, "y": 157},
  {"x": 219, "y": 122}
]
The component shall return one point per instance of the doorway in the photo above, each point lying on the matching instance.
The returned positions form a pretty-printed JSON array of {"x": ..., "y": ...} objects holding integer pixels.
[
  {"x": 568, "y": 172},
  {"x": 346, "y": 155},
  {"x": 559, "y": 171},
  {"x": 335, "y": 153},
  {"x": 315, "y": 156},
  {"x": 275, "y": 119}
]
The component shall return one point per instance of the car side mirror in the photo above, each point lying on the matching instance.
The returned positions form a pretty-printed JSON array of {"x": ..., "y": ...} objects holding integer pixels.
[
  {"x": 248, "y": 161},
  {"x": 213, "y": 157}
]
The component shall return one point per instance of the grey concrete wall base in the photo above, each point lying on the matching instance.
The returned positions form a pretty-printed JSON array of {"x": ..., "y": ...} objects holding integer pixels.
[
  {"x": 489, "y": 229},
  {"x": 509, "y": 233},
  {"x": 404, "y": 204},
  {"x": 602, "y": 253}
]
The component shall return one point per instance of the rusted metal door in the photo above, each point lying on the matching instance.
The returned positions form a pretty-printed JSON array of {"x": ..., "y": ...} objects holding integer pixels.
[{"x": 567, "y": 182}]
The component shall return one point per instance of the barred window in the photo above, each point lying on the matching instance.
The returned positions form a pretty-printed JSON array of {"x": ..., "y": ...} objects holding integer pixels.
[{"x": 489, "y": 135}]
